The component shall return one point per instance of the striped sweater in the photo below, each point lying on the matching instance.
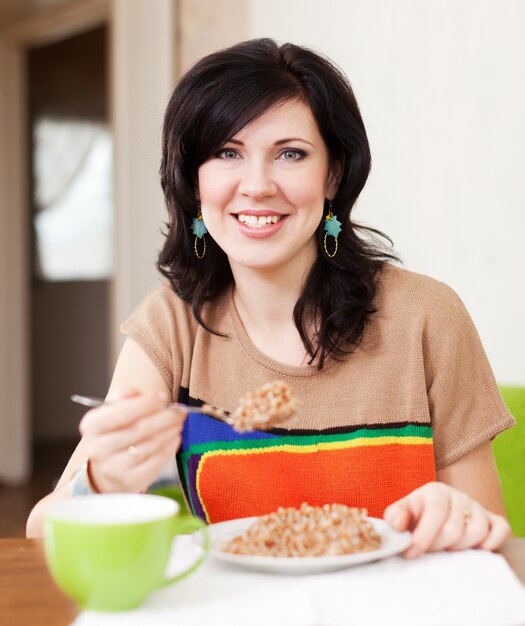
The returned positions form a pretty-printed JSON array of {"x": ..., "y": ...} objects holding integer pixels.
[{"x": 415, "y": 396}]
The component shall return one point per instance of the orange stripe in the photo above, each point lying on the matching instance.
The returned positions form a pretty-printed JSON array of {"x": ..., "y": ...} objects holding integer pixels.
[{"x": 232, "y": 486}]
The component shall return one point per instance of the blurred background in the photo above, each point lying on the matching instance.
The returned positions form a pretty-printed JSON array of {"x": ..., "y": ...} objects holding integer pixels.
[{"x": 83, "y": 87}]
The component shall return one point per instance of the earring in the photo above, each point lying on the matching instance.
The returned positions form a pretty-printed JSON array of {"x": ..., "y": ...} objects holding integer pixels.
[
  {"x": 332, "y": 226},
  {"x": 198, "y": 228}
]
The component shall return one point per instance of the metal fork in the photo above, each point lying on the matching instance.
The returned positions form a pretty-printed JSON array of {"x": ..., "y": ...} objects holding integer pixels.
[{"x": 205, "y": 409}]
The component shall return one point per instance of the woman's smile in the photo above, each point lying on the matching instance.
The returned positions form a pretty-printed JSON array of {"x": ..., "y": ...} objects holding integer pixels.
[{"x": 259, "y": 224}]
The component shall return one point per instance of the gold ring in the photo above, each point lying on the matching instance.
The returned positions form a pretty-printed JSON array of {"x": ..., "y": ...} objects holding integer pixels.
[{"x": 134, "y": 451}]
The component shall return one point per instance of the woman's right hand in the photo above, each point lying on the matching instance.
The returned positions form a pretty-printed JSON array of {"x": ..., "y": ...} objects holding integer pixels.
[{"x": 129, "y": 438}]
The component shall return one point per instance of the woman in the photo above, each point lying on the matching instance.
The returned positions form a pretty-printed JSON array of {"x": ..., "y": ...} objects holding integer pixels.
[{"x": 264, "y": 156}]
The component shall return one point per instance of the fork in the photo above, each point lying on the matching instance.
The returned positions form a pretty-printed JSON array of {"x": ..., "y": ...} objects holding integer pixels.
[{"x": 205, "y": 409}]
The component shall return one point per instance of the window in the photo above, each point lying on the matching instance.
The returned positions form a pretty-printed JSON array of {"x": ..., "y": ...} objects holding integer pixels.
[{"x": 73, "y": 200}]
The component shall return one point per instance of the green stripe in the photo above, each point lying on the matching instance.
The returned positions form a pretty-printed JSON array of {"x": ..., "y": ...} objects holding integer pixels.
[
  {"x": 187, "y": 482},
  {"x": 411, "y": 430}
]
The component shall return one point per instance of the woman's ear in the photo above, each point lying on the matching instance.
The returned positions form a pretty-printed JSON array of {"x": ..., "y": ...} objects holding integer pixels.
[{"x": 334, "y": 178}]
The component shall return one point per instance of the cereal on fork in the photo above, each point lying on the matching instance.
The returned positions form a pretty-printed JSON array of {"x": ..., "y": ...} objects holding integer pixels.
[{"x": 264, "y": 408}]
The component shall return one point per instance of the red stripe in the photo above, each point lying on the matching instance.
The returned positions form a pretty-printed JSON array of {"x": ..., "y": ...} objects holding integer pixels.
[{"x": 242, "y": 485}]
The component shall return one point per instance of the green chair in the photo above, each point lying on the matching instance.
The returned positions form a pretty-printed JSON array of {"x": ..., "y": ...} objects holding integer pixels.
[
  {"x": 509, "y": 450},
  {"x": 170, "y": 489}
]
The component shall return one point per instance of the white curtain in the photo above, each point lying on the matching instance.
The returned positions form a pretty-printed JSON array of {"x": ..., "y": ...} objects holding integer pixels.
[{"x": 73, "y": 199}]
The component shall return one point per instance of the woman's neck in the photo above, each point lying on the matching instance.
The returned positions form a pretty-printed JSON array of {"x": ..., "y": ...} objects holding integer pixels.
[
  {"x": 265, "y": 301},
  {"x": 269, "y": 295}
]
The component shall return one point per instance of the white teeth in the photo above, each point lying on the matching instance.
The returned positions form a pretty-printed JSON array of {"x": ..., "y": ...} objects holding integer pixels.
[{"x": 255, "y": 221}]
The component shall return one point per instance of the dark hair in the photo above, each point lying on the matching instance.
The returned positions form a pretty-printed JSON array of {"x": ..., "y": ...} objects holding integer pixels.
[{"x": 217, "y": 97}]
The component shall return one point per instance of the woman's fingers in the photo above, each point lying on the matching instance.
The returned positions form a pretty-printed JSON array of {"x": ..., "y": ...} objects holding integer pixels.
[
  {"x": 443, "y": 518},
  {"x": 114, "y": 416},
  {"x": 399, "y": 515},
  {"x": 450, "y": 531},
  {"x": 435, "y": 511},
  {"x": 133, "y": 469},
  {"x": 128, "y": 440},
  {"x": 499, "y": 532},
  {"x": 145, "y": 472},
  {"x": 475, "y": 526},
  {"x": 137, "y": 466},
  {"x": 156, "y": 445},
  {"x": 423, "y": 511},
  {"x": 164, "y": 422}
]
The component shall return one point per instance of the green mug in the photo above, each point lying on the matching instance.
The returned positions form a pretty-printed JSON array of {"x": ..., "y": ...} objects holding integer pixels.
[{"x": 109, "y": 551}]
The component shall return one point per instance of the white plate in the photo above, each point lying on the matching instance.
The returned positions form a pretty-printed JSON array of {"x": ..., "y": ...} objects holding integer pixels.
[{"x": 392, "y": 542}]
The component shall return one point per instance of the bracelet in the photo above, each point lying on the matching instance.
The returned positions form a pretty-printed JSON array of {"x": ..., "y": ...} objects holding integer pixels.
[{"x": 80, "y": 485}]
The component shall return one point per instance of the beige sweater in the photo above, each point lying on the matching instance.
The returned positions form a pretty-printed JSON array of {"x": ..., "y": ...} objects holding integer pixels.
[{"x": 420, "y": 363}]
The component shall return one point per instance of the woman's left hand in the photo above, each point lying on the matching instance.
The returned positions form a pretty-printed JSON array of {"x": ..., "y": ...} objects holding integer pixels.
[{"x": 443, "y": 518}]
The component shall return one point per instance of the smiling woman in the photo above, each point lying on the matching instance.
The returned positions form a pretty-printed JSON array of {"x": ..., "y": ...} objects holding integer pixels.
[{"x": 268, "y": 277}]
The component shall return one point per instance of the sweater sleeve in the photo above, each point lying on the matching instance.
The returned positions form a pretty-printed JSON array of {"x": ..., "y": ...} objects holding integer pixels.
[{"x": 465, "y": 405}]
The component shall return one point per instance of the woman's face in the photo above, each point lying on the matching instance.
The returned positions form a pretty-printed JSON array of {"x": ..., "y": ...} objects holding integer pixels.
[{"x": 262, "y": 194}]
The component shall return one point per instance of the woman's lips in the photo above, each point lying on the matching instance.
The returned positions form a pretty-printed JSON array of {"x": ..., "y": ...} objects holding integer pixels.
[{"x": 260, "y": 232}]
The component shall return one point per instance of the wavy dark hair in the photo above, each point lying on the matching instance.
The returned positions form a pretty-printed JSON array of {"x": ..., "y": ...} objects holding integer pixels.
[{"x": 212, "y": 102}]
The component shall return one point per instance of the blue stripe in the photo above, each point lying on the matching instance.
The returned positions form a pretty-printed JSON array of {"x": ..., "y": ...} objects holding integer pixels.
[{"x": 204, "y": 429}]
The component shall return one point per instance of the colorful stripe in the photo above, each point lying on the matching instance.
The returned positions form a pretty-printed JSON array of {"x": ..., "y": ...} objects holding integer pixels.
[{"x": 227, "y": 474}]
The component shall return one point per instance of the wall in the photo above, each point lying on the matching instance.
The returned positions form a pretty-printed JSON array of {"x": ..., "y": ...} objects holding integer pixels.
[
  {"x": 15, "y": 9},
  {"x": 441, "y": 85},
  {"x": 144, "y": 40},
  {"x": 206, "y": 26},
  {"x": 14, "y": 408}
]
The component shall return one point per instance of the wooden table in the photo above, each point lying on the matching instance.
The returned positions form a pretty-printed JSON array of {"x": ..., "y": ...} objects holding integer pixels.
[{"x": 28, "y": 596}]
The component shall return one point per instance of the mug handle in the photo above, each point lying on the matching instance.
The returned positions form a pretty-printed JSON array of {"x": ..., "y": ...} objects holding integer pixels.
[{"x": 186, "y": 525}]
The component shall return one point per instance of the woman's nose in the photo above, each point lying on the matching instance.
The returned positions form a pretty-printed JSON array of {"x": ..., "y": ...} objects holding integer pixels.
[{"x": 257, "y": 180}]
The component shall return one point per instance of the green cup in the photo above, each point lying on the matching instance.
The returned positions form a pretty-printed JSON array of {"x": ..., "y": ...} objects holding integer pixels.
[{"x": 109, "y": 551}]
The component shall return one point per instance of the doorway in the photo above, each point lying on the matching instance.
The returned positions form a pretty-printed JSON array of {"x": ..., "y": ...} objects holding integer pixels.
[{"x": 71, "y": 224}]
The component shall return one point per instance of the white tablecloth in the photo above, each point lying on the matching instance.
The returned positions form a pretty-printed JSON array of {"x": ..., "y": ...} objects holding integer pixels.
[{"x": 463, "y": 588}]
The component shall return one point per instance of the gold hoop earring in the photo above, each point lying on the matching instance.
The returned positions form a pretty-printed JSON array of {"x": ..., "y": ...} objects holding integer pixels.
[
  {"x": 198, "y": 228},
  {"x": 199, "y": 256},
  {"x": 326, "y": 249},
  {"x": 332, "y": 226}
]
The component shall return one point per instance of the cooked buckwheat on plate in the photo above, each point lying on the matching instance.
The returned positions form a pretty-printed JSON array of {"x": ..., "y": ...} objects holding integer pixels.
[
  {"x": 331, "y": 530},
  {"x": 305, "y": 540}
]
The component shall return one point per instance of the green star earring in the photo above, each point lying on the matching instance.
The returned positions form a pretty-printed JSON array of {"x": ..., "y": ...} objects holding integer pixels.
[
  {"x": 198, "y": 228},
  {"x": 332, "y": 226}
]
